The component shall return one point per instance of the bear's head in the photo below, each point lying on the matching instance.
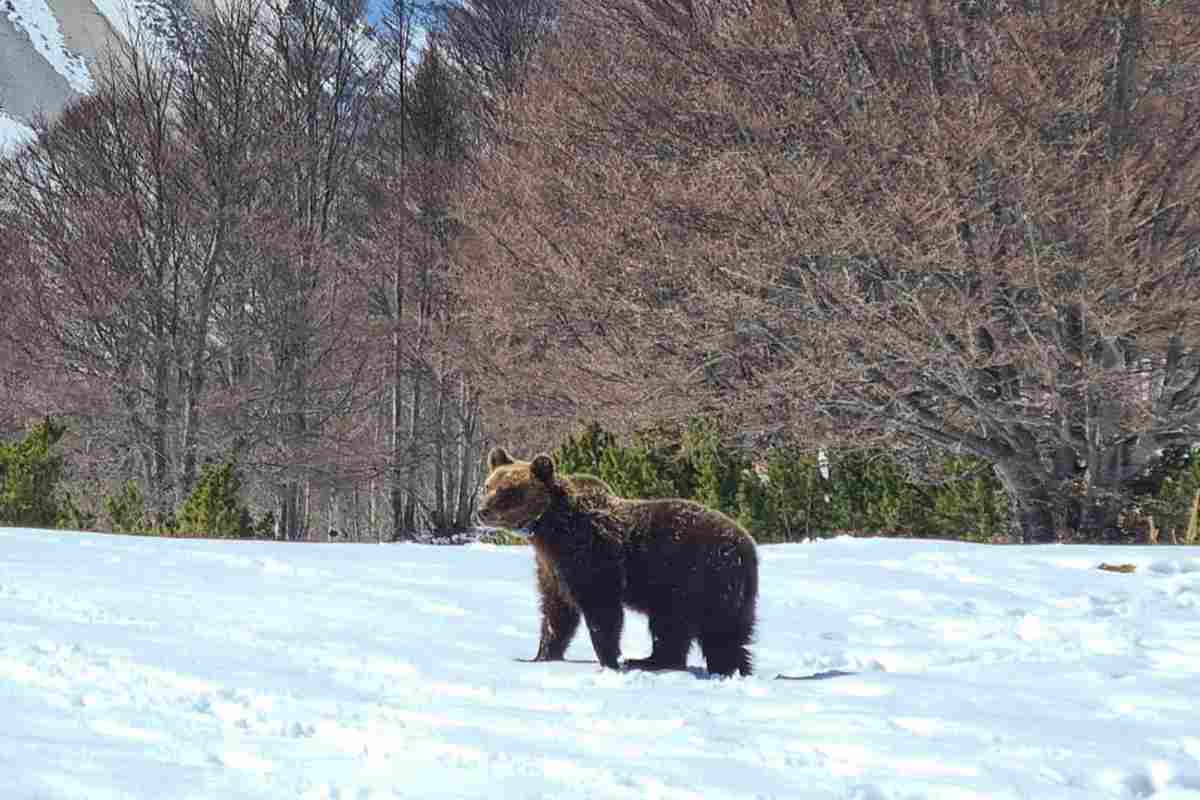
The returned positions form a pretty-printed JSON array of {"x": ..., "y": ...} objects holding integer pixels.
[{"x": 516, "y": 492}]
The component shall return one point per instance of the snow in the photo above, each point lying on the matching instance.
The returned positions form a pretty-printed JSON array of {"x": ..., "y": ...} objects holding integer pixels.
[
  {"x": 13, "y": 134},
  {"x": 150, "y": 668},
  {"x": 39, "y": 23},
  {"x": 125, "y": 16}
]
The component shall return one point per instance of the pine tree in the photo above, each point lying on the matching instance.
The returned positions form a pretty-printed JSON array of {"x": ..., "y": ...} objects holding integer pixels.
[
  {"x": 30, "y": 473},
  {"x": 126, "y": 509},
  {"x": 215, "y": 507}
]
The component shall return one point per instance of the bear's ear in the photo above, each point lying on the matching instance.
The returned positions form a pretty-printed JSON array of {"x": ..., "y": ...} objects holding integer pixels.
[
  {"x": 498, "y": 458},
  {"x": 542, "y": 468}
]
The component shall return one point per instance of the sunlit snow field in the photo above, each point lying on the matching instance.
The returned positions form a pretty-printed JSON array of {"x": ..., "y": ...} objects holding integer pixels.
[{"x": 152, "y": 668}]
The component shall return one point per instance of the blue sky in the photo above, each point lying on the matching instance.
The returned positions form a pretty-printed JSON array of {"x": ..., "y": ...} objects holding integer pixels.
[{"x": 375, "y": 9}]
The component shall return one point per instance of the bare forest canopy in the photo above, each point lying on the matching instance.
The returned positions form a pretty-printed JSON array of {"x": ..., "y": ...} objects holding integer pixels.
[
  {"x": 961, "y": 226},
  {"x": 351, "y": 259},
  {"x": 236, "y": 251}
]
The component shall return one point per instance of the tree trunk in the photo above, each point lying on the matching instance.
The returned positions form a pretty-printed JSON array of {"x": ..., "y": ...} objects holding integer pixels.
[
  {"x": 373, "y": 514},
  {"x": 440, "y": 467},
  {"x": 355, "y": 512},
  {"x": 305, "y": 512},
  {"x": 402, "y": 511},
  {"x": 1189, "y": 536},
  {"x": 1034, "y": 522},
  {"x": 191, "y": 417},
  {"x": 399, "y": 529},
  {"x": 288, "y": 516},
  {"x": 191, "y": 434},
  {"x": 194, "y": 372},
  {"x": 160, "y": 486},
  {"x": 1031, "y": 500},
  {"x": 1123, "y": 91},
  {"x": 467, "y": 458},
  {"x": 1099, "y": 520},
  {"x": 409, "y": 520}
]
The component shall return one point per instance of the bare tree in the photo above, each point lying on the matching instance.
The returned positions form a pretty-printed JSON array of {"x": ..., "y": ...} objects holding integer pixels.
[
  {"x": 440, "y": 135},
  {"x": 182, "y": 241},
  {"x": 494, "y": 42},
  {"x": 971, "y": 226},
  {"x": 226, "y": 131},
  {"x": 15, "y": 405},
  {"x": 388, "y": 245},
  {"x": 433, "y": 406},
  {"x": 323, "y": 76},
  {"x": 102, "y": 197}
]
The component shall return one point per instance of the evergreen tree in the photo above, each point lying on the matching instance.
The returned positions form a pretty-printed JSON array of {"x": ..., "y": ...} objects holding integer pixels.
[
  {"x": 215, "y": 507},
  {"x": 719, "y": 470},
  {"x": 30, "y": 473},
  {"x": 126, "y": 509}
]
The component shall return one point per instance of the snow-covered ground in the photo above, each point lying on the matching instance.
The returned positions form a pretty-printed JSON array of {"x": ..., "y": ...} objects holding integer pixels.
[
  {"x": 13, "y": 134},
  {"x": 124, "y": 15},
  {"x": 151, "y": 668}
]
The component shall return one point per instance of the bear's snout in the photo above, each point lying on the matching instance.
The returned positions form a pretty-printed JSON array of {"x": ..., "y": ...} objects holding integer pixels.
[{"x": 491, "y": 512}]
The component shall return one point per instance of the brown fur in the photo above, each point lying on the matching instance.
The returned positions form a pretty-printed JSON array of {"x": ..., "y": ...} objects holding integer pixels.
[
  {"x": 693, "y": 571},
  {"x": 560, "y": 615}
]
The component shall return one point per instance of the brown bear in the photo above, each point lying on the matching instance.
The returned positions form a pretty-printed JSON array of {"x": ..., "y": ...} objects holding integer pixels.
[
  {"x": 560, "y": 616},
  {"x": 691, "y": 570}
]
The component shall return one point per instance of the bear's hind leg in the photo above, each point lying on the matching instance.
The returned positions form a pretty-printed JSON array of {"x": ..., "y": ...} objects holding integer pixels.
[
  {"x": 672, "y": 640},
  {"x": 726, "y": 651}
]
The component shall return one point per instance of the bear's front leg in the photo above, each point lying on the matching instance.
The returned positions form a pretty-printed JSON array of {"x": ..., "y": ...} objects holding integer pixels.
[
  {"x": 604, "y": 621},
  {"x": 560, "y": 618}
]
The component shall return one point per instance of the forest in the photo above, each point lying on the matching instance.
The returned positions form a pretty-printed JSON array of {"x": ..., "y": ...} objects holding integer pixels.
[{"x": 925, "y": 268}]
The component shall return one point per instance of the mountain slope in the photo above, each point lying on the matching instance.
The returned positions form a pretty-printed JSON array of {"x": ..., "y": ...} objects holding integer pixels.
[{"x": 51, "y": 51}]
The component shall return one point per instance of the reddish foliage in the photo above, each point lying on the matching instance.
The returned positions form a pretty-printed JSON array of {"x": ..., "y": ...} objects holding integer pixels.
[{"x": 968, "y": 224}]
